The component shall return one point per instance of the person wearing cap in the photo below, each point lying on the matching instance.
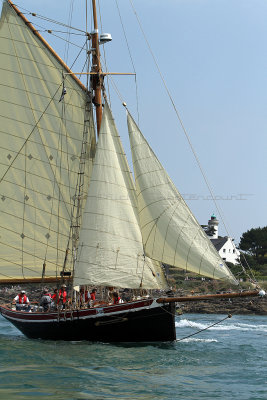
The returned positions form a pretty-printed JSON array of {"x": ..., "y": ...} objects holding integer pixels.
[
  {"x": 46, "y": 301},
  {"x": 22, "y": 302},
  {"x": 62, "y": 296}
]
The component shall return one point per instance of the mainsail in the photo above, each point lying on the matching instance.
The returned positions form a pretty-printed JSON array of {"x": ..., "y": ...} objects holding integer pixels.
[
  {"x": 41, "y": 142},
  {"x": 111, "y": 251},
  {"x": 171, "y": 234},
  {"x": 46, "y": 136}
]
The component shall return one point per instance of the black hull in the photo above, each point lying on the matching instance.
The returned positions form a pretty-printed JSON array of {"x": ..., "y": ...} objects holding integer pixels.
[{"x": 143, "y": 321}]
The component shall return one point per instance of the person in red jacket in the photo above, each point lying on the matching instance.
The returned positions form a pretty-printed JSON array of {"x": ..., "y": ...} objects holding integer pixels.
[
  {"x": 22, "y": 302},
  {"x": 62, "y": 296},
  {"x": 55, "y": 296},
  {"x": 116, "y": 298},
  {"x": 93, "y": 294}
]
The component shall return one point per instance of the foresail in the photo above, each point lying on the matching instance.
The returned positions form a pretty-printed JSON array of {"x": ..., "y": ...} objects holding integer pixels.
[
  {"x": 41, "y": 142},
  {"x": 111, "y": 250},
  {"x": 171, "y": 234}
]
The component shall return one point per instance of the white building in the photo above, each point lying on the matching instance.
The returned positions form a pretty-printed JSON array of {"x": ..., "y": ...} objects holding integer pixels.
[{"x": 224, "y": 245}]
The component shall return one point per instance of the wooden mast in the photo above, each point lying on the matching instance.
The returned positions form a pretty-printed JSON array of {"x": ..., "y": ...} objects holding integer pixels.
[{"x": 96, "y": 67}]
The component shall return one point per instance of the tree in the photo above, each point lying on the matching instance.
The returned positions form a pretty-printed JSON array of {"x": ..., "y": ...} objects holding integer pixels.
[{"x": 254, "y": 241}]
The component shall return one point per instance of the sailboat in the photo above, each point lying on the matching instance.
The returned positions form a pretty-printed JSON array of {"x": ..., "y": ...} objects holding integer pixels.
[{"x": 70, "y": 208}]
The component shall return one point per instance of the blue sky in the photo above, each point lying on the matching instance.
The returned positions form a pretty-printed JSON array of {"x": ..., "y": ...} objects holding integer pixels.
[{"x": 213, "y": 55}]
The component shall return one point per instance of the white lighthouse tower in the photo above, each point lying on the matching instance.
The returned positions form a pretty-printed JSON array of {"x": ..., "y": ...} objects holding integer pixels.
[{"x": 212, "y": 230}]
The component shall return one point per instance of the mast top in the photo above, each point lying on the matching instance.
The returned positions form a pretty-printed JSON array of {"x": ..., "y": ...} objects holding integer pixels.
[{"x": 97, "y": 79}]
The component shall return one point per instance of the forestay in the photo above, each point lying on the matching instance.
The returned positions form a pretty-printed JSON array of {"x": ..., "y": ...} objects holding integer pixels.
[
  {"x": 171, "y": 234},
  {"x": 111, "y": 250},
  {"x": 41, "y": 141}
]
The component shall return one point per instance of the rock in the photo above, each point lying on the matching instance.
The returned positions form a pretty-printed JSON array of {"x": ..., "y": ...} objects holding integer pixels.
[{"x": 256, "y": 306}]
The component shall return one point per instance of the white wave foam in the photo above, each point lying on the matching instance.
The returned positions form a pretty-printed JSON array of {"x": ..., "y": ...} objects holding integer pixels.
[
  {"x": 225, "y": 326},
  {"x": 197, "y": 340},
  {"x": 184, "y": 323}
]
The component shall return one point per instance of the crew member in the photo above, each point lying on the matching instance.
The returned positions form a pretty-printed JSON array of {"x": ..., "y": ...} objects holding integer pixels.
[
  {"x": 93, "y": 294},
  {"x": 46, "y": 300},
  {"x": 116, "y": 298},
  {"x": 22, "y": 302},
  {"x": 55, "y": 299},
  {"x": 62, "y": 295},
  {"x": 84, "y": 296},
  {"x": 55, "y": 296}
]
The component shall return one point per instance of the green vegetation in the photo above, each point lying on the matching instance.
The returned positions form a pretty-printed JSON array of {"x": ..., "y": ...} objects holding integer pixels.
[
  {"x": 254, "y": 242},
  {"x": 254, "y": 246}
]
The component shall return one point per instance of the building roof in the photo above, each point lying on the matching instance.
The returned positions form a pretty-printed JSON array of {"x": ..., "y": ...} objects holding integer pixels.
[{"x": 219, "y": 243}]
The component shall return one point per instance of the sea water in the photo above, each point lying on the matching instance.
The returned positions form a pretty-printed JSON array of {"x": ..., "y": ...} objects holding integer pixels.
[{"x": 227, "y": 361}]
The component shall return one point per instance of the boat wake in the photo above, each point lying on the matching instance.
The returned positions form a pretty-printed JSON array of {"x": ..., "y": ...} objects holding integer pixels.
[
  {"x": 197, "y": 340},
  {"x": 225, "y": 326}
]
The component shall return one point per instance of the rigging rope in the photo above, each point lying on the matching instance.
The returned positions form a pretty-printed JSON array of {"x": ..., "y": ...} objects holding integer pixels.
[
  {"x": 66, "y": 51},
  {"x": 204, "y": 329},
  {"x": 48, "y": 19},
  {"x": 200, "y": 330},
  {"x": 64, "y": 32},
  {"x": 129, "y": 51},
  {"x": 51, "y": 32}
]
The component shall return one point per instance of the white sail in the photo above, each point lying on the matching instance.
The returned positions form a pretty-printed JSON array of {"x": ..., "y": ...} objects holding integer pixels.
[
  {"x": 111, "y": 250},
  {"x": 41, "y": 142},
  {"x": 171, "y": 234}
]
